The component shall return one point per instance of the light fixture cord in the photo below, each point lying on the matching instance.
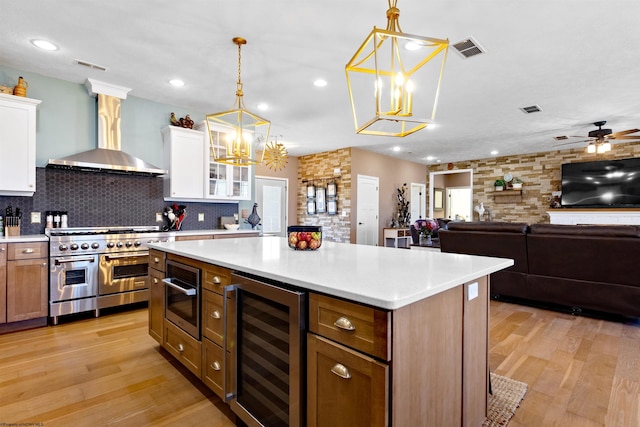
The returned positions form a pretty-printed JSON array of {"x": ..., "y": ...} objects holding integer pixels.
[
  {"x": 239, "y": 84},
  {"x": 393, "y": 13}
]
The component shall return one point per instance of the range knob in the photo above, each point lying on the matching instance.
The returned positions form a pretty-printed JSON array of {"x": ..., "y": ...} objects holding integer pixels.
[
  {"x": 63, "y": 247},
  {"x": 129, "y": 244},
  {"x": 110, "y": 245},
  {"x": 84, "y": 246},
  {"x": 119, "y": 245},
  {"x": 74, "y": 246},
  {"x": 137, "y": 243},
  {"x": 95, "y": 245}
]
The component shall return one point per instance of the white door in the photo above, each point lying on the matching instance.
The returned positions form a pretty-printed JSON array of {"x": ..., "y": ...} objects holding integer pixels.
[
  {"x": 271, "y": 197},
  {"x": 458, "y": 206},
  {"x": 367, "y": 215},
  {"x": 418, "y": 201}
]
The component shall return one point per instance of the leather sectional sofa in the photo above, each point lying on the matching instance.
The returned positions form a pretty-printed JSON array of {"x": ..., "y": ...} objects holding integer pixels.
[{"x": 579, "y": 267}]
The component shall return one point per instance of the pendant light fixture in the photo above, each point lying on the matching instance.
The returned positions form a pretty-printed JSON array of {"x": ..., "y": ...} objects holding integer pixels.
[
  {"x": 244, "y": 130},
  {"x": 394, "y": 79}
]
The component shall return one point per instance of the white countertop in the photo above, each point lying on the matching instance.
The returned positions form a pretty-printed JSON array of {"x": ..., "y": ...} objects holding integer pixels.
[
  {"x": 387, "y": 278},
  {"x": 24, "y": 238},
  {"x": 211, "y": 232}
]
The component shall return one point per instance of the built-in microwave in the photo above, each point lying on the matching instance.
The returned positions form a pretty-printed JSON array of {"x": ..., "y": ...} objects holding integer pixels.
[{"x": 182, "y": 297}]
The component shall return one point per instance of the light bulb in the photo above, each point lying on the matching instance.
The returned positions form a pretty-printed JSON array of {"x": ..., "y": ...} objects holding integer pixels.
[{"x": 591, "y": 148}]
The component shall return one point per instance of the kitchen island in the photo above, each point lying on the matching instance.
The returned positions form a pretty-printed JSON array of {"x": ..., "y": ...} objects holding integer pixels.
[{"x": 418, "y": 339}]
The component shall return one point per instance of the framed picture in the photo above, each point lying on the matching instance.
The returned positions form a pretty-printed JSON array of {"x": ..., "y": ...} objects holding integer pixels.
[
  {"x": 332, "y": 207},
  {"x": 311, "y": 207},
  {"x": 438, "y": 198},
  {"x": 311, "y": 190},
  {"x": 321, "y": 206},
  {"x": 332, "y": 191}
]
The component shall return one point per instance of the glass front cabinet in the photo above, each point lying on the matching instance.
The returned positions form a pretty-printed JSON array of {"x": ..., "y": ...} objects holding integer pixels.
[{"x": 224, "y": 182}]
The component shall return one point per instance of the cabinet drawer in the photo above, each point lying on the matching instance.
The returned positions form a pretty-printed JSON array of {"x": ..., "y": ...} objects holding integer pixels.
[
  {"x": 357, "y": 326},
  {"x": 183, "y": 347},
  {"x": 215, "y": 278},
  {"x": 213, "y": 367},
  {"x": 212, "y": 316},
  {"x": 157, "y": 259},
  {"x": 344, "y": 387},
  {"x": 17, "y": 251}
]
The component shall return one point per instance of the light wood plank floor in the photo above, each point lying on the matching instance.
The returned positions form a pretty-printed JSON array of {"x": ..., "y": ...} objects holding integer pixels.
[
  {"x": 109, "y": 372},
  {"x": 581, "y": 371}
]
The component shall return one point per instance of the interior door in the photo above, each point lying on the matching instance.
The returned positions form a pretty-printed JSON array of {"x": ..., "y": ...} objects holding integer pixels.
[
  {"x": 271, "y": 196},
  {"x": 367, "y": 200},
  {"x": 458, "y": 207},
  {"x": 418, "y": 201}
]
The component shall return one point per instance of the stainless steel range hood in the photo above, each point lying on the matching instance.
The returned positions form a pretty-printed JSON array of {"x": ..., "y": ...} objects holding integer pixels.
[{"x": 108, "y": 157}]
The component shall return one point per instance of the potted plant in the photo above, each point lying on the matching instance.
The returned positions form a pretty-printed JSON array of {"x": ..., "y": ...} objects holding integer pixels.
[
  {"x": 499, "y": 184},
  {"x": 517, "y": 183}
]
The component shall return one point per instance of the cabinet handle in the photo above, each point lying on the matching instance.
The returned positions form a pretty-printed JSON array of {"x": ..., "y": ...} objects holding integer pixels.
[
  {"x": 155, "y": 280},
  {"x": 341, "y": 371},
  {"x": 180, "y": 348},
  {"x": 216, "y": 314},
  {"x": 2, "y": 249},
  {"x": 44, "y": 264},
  {"x": 156, "y": 260},
  {"x": 215, "y": 366},
  {"x": 28, "y": 251},
  {"x": 344, "y": 323},
  {"x": 216, "y": 280}
]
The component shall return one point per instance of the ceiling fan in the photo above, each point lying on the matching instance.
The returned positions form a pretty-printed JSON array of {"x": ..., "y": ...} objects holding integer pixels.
[{"x": 598, "y": 139}]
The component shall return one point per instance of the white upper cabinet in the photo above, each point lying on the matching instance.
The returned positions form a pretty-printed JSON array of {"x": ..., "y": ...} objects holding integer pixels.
[
  {"x": 193, "y": 173},
  {"x": 17, "y": 145},
  {"x": 184, "y": 158},
  {"x": 224, "y": 182}
]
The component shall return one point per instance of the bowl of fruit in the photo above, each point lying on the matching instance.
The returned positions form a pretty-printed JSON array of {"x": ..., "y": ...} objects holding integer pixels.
[{"x": 304, "y": 237}]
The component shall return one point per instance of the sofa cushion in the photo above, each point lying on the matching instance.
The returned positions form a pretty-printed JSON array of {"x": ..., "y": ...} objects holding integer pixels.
[
  {"x": 493, "y": 227},
  {"x": 588, "y": 230}
]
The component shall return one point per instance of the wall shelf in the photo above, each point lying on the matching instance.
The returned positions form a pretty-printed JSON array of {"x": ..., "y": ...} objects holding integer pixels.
[{"x": 507, "y": 196}]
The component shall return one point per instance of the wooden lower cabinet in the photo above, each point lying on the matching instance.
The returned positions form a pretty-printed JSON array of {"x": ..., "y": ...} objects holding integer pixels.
[
  {"x": 212, "y": 316},
  {"x": 3, "y": 283},
  {"x": 156, "y": 304},
  {"x": 183, "y": 347},
  {"x": 213, "y": 367},
  {"x": 344, "y": 387},
  {"x": 27, "y": 290}
]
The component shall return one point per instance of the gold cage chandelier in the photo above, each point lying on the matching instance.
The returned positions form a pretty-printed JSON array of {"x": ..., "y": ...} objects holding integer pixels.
[
  {"x": 245, "y": 129},
  {"x": 388, "y": 71}
]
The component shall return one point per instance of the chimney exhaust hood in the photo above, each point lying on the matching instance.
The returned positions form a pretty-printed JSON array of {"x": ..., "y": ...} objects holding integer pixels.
[{"x": 108, "y": 157}]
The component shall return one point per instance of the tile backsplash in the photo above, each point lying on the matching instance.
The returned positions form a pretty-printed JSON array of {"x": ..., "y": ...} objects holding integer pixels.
[{"x": 94, "y": 199}]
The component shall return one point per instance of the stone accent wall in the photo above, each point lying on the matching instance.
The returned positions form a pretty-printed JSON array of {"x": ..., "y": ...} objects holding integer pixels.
[
  {"x": 540, "y": 173},
  {"x": 319, "y": 169}
]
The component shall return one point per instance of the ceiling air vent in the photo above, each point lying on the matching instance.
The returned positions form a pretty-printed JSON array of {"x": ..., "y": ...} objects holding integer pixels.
[
  {"x": 560, "y": 138},
  {"x": 531, "y": 109},
  {"x": 468, "y": 48},
  {"x": 90, "y": 65}
]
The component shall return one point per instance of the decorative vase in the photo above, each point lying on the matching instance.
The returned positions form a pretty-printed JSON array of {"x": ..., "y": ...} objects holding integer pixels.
[
  {"x": 21, "y": 88},
  {"x": 425, "y": 240},
  {"x": 254, "y": 219},
  {"x": 429, "y": 241}
]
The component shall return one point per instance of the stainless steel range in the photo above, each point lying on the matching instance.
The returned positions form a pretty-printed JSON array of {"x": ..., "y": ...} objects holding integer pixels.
[{"x": 94, "y": 268}]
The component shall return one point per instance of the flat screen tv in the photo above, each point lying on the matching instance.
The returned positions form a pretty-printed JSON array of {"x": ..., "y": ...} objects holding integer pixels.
[{"x": 604, "y": 183}]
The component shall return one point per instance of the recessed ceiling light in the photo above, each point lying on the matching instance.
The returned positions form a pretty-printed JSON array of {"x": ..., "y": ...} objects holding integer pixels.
[
  {"x": 396, "y": 148},
  {"x": 411, "y": 45},
  {"x": 176, "y": 82},
  {"x": 494, "y": 152},
  {"x": 429, "y": 158},
  {"x": 44, "y": 44},
  {"x": 320, "y": 83},
  {"x": 263, "y": 107}
]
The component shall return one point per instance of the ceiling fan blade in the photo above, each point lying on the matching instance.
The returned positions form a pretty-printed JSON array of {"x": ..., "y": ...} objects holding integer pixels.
[
  {"x": 572, "y": 142},
  {"x": 617, "y": 138},
  {"x": 623, "y": 132}
]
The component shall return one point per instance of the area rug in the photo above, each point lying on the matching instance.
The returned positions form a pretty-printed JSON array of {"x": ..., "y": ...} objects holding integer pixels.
[{"x": 506, "y": 397}]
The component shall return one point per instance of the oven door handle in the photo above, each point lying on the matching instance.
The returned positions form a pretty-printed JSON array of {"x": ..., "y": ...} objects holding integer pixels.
[
  {"x": 59, "y": 261},
  {"x": 110, "y": 257},
  {"x": 189, "y": 292}
]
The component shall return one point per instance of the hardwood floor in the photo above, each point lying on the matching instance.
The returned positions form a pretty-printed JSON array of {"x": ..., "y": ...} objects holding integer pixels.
[
  {"x": 100, "y": 372},
  {"x": 109, "y": 372},
  {"x": 580, "y": 371}
]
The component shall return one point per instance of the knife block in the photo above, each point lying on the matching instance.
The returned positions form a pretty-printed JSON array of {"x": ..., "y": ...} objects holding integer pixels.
[{"x": 12, "y": 230}]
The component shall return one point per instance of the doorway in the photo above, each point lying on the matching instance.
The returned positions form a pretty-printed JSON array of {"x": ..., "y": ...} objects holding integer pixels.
[
  {"x": 367, "y": 200},
  {"x": 418, "y": 201},
  {"x": 271, "y": 197},
  {"x": 460, "y": 180}
]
